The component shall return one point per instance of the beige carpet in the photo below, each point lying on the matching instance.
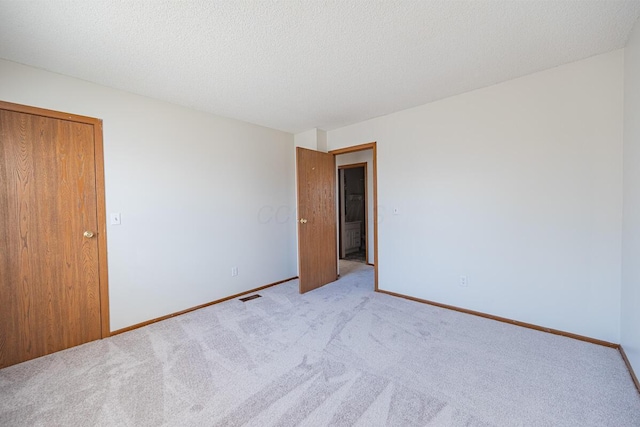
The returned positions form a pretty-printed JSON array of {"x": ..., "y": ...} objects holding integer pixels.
[{"x": 340, "y": 356}]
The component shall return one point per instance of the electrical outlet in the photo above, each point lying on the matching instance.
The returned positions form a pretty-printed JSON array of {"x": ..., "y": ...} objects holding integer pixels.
[
  {"x": 464, "y": 281},
  {"x": 234, "y": 271}
]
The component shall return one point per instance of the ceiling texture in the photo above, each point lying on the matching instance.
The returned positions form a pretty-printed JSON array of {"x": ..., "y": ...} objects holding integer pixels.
[{"x": 296, "y": 65}]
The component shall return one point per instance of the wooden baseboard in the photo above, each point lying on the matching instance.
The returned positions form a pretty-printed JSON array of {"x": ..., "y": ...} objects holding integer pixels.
[
  {"x": 630, "y": 368},
  {"x": 168, "y": 316},
  {"x": 505, "y": 320}
]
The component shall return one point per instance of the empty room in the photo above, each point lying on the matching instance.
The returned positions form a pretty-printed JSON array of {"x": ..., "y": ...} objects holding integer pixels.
[{"x": 319, "y": 213}]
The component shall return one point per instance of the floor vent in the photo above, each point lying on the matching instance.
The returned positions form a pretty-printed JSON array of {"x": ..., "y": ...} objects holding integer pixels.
[{"x": 249, "y": 298}]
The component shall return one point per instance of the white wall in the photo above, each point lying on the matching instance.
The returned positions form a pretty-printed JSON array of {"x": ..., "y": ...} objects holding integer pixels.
[
  {"x": 518, "y": 186},
  {"x": 365, "y": 156},
  {"x": 307, "y": 139},
  {"x": 630, "y": 319},
  {"x": 198, "y": 194}
]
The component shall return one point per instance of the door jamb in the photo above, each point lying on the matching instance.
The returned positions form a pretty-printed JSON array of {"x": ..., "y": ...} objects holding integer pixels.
[
  {"x": 353, "y": 149},
  {"x": 103, "y": 278}
]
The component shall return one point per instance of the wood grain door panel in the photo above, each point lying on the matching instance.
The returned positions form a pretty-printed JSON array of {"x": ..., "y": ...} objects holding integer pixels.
[
  {"x": 49, "y": 272},
  {"x": 316, "y": 174}
]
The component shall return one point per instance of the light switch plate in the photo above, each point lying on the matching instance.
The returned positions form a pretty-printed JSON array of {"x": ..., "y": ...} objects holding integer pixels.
[{"x": 115, "y": 218}]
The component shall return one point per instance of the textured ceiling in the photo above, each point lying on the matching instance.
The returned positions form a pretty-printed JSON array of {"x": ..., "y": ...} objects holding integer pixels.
[{"x": 296, "y": 65}]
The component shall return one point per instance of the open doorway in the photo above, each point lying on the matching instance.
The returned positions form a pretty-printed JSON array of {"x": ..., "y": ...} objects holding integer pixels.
[
  {"x": 353, "y": 212},
  {"x": 363, "y": 153},
  {"x": 355, "y": 204},
  {"x": 317, "y": 208}
]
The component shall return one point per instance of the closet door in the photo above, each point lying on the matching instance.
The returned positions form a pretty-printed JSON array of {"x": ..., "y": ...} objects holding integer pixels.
[{"x": 50, "y": 290}]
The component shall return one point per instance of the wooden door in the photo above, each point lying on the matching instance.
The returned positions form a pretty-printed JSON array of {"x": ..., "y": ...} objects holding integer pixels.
[
  {"x": 50, "y": 290},
  {"x": 316, "y": 219}
]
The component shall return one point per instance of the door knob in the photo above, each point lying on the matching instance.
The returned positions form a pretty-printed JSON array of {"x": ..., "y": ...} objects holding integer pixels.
[
  {"x": 88, "y": 234},
  {"x": 303, "y": 221}
]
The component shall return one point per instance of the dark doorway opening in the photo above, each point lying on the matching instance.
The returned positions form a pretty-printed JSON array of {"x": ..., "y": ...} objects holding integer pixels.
[{"x": 353, "y": 211}]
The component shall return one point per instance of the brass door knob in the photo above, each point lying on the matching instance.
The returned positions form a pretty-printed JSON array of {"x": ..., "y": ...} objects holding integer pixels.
[
  {"x": 88, "y": 234},
  {"x": 303, "y": 221}
]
